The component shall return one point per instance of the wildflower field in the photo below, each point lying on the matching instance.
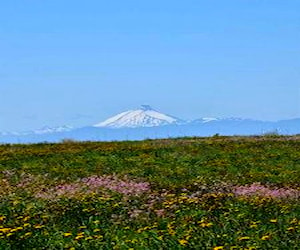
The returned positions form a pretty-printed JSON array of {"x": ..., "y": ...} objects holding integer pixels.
[{"x": 187, "y": 193}]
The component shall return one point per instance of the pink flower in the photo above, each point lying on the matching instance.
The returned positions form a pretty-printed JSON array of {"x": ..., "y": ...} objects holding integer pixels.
[
  {"x": 256, "y": 189},
  {"x": 93, "y": 184}
]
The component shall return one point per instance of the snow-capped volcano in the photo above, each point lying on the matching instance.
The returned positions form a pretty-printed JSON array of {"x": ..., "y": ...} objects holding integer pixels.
[{"x": 142, "y": 117}]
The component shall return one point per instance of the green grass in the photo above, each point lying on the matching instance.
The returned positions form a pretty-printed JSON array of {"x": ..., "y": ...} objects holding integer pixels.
[{"x": 191, "y": 203}]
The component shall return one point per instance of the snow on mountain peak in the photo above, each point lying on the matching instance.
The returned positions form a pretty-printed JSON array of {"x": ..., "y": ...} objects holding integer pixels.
[{"x": 145, "y": 116}]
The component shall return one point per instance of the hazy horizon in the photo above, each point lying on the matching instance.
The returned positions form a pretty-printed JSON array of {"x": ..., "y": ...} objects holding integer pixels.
[
  {"x": 72, "y": 126},
  {"x": 69, "y": 63}
]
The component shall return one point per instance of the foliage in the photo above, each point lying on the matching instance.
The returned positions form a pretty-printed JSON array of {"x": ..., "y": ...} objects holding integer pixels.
[{"x": 195, "y": 193}]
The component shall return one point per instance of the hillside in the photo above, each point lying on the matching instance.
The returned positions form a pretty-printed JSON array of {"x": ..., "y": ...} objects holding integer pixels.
[{"x": 197, "y": 193}]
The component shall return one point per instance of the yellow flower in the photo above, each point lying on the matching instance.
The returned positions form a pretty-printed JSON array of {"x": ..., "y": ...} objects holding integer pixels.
[
  {"x": 78, "y": 237},
  {"x": 290, "y": 228},
  {"x": 96, "y": 230},
  {"x": 253, "y": 224},
  {"x": 26, "y": 218},
  {"x": 39, "y": 226},
  {"x": 266, "y": 237},
  {"x": 208, "y": 224},
  {"x": 5, "y": 230},
  {"x": 67, "y": 234},
  {"x": 273, "y": 220},
  {"x": 244, "y": 238},
  {"x": 89, "y": 238},
  {"x": 183, "y": 242},
  {"x": 218, "y": 248},
  {"x": 14, "y": 230},
  {"x": 28, "y": 234}
]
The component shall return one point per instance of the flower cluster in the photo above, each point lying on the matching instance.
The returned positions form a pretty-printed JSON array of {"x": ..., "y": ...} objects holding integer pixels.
[
  {"x": 93, "y": 184},
  {"x": 257, "y": 189}
]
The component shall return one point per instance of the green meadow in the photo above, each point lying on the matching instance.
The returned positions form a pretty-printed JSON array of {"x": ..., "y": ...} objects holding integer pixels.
[{"x": 186, "y": 193}]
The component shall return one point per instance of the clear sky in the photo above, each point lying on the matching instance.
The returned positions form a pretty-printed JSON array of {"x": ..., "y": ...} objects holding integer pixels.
[{"x": 78, "y": 62}]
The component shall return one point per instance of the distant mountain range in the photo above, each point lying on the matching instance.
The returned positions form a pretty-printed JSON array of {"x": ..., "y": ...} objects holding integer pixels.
[{"x": 147, "y": 123}]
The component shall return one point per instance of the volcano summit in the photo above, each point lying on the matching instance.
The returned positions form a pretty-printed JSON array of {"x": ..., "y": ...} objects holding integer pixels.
[{"x": 145, "y": 116}]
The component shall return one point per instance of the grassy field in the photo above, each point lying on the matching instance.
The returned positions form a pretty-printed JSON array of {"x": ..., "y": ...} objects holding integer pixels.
[{"x": 186, "y": 193}]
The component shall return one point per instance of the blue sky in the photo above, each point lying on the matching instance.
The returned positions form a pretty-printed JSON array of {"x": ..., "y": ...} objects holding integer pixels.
[{"x": 79, "y": 62}]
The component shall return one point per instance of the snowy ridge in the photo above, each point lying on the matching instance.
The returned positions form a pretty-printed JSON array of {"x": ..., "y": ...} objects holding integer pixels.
[
  {"x": 47, "y": 129},
  {"x": 142, "y": 117},
  {"x": 219, "y": 120},
  {"x": 41, "y": 131},
  {"x": 207, "y": 119}
]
